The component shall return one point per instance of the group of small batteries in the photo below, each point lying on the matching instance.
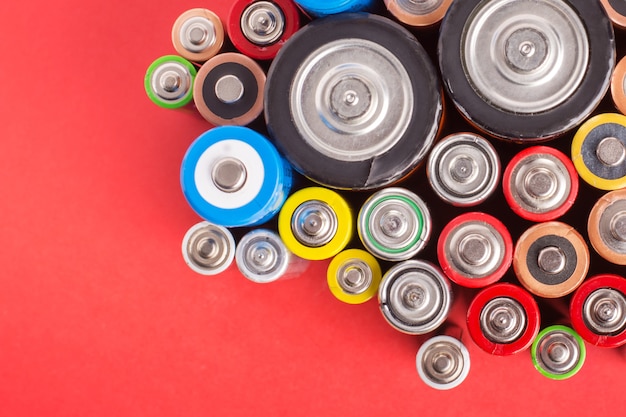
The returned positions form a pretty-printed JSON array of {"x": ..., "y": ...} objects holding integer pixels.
[{"x": 353, "y": 104}]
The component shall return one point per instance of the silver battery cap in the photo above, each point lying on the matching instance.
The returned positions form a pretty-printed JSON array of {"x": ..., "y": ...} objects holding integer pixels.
[
  {"x": 208, "y": 249},
  {"x": 558, "y": 352},
  {"x": 604, "y": 311},
  {"x": 262, "y": 23},
  {"x": 262, "y": 256},
  {"x": 171, "y": 81},
  {"x": 503, "y": 320},
  {"x": 443, "y": 362}
]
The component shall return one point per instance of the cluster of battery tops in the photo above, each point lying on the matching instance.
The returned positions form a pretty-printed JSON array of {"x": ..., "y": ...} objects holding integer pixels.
[{"x": 352, "y": 101}]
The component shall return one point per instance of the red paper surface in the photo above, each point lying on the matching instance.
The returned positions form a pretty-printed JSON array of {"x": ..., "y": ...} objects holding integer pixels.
[{"x": 100, "y": 316}]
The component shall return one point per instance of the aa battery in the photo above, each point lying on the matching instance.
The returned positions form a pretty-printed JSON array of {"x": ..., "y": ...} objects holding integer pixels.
[
  {"x": 598, "y": 310},
  {"x": 198, "y": 34},
  {"x": 316, "y": 223},
  {"x": 229, "y": 90},
  {"x": 463, "y": 169},
  {"x": 262, "y": 257},
  {"x": 475, "y": 250},
  {"x": 618, "y": 86},
  {"x": 415, "y": 297},
  {"x": 259, "y": 29},
  {"x": 169, "y": 82},
  {"x": 329, "y": 7},
  {"x": 353, "y": 276},
  {"x": 606, "y": 227},
  {"x": 503, "y": 319},
  {"x": 540, "y": 184},
  {"x": 363, "y": 97},
  {"x": 616, "y": 9},
  {"x": 208, "y": 249},
  {"x": 599, "y": 151},
  {"x": 443, "y": 361},
  {"x": 529, "y": 69},
  {"x": 418, "y": 13},
  {"x": 558, "y": 352},
  {"x": 233, "y": 176},
  {"x": 551, "y": 259},
  {"x": 394, "y": 224}
]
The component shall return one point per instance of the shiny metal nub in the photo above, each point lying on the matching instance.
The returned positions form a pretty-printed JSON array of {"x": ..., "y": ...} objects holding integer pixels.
[
  {"x": 394, "y": 224},
  {"x": 475, "y": 249},
  {"x": 415, "y": 297},
  {"x": 314, "y": 223},
  {"x": 443, "y": 362},
  {"x": 612, "y": 226},
  {"x": 197, "y": 34},
  {"x": 229, "y": 174},
  {"x": 419, "y": 7},
  {"x": 208, "y": 249},
  {"x": 463, "y": 169},
  {"x": 262, "y": 23},
  {"x": 503, "y": 320},
  {"x": 558, "y": 352},
  {"x": 262, "y": 256},
  {"x": 354, "y": 276},
  {"x": 604, "y": 311},
  {"x": 171, "y": 81}
]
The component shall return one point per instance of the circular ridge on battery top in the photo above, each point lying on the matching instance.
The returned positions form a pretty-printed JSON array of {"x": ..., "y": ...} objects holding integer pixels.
[
  {"x": 475, "y": 250},
  {"x": 198, "y": 34},
  {"x": 443, "y": 362},
  {"x": 606, "y": 227},
  {"x": 169, "y": 82},
  {"x": 394, "y": 224},
  {"x": 207, "y": 248},
  {"x": 418, "y": 13},
  {"x": 558, "y": 352},
  {"x": 233, "y": 176},
  {"x": 415, "y": 297},
  {"x": 353, "y": 276},
  {"x": 262, "y": 256},
  {"x": 526, "y": 70},
  {"x": 599, "y": 151},
  {"x": 598, "y": 310},
  {"x": 318, "y": 8},
  {"x": 353, "y": 101},
  {"x": 463, "y": 169},
  {"x": 540, "y": 184},
  {"x": 616, "y": 9}
]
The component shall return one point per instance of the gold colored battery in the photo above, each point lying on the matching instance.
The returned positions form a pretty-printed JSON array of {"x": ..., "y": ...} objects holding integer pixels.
[
  {"x": 616, "y": 9},
  {"x": 198, "y": 34},
  {"x": 418, "y": 13},
  {"x": 607, "y": 227},
  {"x": 618, "y": 86},
  {"x": 354, "y": 276}
]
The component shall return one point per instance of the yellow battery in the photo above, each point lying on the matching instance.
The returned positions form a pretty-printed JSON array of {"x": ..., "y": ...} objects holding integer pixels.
[
  {"x": 315, "y": 223},
  {"x": 599, "y": 151},
  {"x": 353, "y": 276}
]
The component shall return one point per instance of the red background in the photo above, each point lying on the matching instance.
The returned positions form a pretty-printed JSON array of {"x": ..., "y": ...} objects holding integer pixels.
[{"x": 99, "y": 315}]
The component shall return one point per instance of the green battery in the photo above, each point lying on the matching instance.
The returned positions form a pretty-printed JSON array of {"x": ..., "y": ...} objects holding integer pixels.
[
  {"x": 558, "y": 352},
  {"x": 169, "y": 81}
]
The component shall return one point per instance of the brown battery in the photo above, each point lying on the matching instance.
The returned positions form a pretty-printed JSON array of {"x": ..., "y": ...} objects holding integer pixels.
[
  {"x": 616, "y": 9},
  {"x": 618, "y": 86},
  {"x": 607, "y": 227},
  {"x": 551, "y": 259},
  {"x": 198, "y": 35},
  {"x": 418, "y": 14}
]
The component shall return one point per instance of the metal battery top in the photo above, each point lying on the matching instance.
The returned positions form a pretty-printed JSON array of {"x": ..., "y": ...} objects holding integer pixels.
[
  {"x": 262, "y": 256},
  {"x": 169, "y": 81},
  {"x": 354, "y": 276},
  {"x": 558, "y": 352},
  {"x": 415, "y": 297},
  {"x": 607, "y": 227},
  {"x": 198, "y": 34},
  {"x": 208, "y": 249},
  {"x": 262, "y": 22},
  {"x": 443, "y": 362},
  {"x": 418, "y": 13},
  {"x": 394, "y": 224}
]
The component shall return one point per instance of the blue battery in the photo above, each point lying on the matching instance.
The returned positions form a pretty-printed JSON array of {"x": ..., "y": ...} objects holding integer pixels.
[
  {"x": 320, "y": 8},
  {"x": 233, "y": 176}
]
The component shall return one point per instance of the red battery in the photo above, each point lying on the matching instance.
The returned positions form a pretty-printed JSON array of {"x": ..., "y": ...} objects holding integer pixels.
[
  {"x": 259, "y": 29},
  {"x": 475, "y": 250},
  {"x": 598, "y": 310},
  {"x": 503, "y": 319}
]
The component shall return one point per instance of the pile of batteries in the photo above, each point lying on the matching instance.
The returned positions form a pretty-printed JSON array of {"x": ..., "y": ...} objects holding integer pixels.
[{"x": 354, "y": 103}]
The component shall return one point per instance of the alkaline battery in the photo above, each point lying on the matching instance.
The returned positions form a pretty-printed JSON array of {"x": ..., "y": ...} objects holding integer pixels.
[
  {"x": 415, "y": 297},
  {"x": 262, "y": 257},
  {"x": 551, "y": 259},
  {"x": 198, "y": 34},
  {"x": 558, "y": 352},
  {"x": 259, "y": 29},
  {"x": 527, "y": 69},
  {"x": 598, "y": 310},
  {"x": 540, "y": 184},
  {"x": 394, "y": 224},
  {"x": 233, "y": 176},
  {"x": 328, "y": 7},
  {"x": 353, "y": 101},
  {"x": 418, "y": 13},
  {"x": 599, "y": 151},
  {"x": 229, "y": 90},
  {"x": 463, "y": 169},
  {"x": 616, "y": 9},
  {"x": 618, "y": 86},
  {"x": 315, "y": 223},
  {"x": 208, "y": 249},
  {"x": 503, "y": 319},
  {"x": 169, "y": 82},
  {"x": 606, "y": 227},
  {"x": 475, "y": 250},
  {"x": 353, "y": 276},
  {"x": 443, "y": 361}
]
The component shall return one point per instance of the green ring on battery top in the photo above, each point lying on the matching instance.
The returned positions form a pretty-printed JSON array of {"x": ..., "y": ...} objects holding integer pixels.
[
  {"x": 416, "y": 209},
  {"x": 155, "y": 98},
  {"x": 581, "y": 357}
]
